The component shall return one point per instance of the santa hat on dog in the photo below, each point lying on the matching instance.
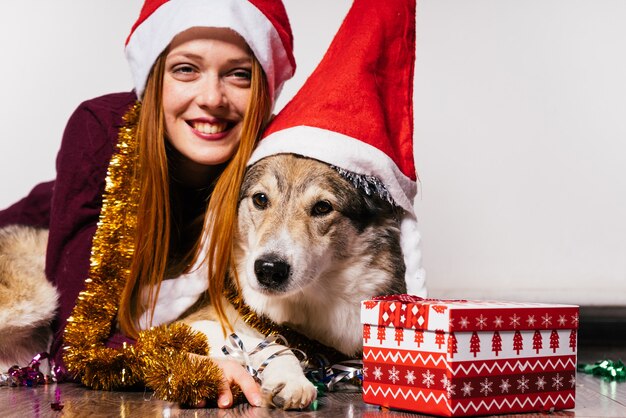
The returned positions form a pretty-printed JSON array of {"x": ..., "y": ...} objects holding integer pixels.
[
  {"x": 355, "y": 112},
  {"x": 263, "y": 24}
]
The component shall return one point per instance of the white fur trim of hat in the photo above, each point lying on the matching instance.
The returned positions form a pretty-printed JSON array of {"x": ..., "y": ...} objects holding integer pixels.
[{"x": 267, "y": 33}]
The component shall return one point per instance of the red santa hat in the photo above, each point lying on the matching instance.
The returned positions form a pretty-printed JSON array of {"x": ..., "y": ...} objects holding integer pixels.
[
  {"x": 263, "y": 24},
  {"x": 355, "y": 111}
]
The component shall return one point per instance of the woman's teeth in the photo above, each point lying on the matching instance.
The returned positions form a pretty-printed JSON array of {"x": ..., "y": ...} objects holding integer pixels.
[{"x": 210, "y": 128}]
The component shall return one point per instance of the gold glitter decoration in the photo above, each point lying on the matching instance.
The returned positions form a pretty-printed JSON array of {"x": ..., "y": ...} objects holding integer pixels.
[
  {"x": 171, "y": 371},
  {"x": 176, "y": 377},
  {"x": 93, "y": 316}
]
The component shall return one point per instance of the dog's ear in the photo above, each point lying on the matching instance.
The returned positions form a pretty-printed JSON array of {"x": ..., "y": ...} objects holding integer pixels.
[
  {"x": 377, "y": 209},
  {"x": 382, "y": 208},
  {"x": 364, "y": 209},
  {"x": 370, "y": 203}
]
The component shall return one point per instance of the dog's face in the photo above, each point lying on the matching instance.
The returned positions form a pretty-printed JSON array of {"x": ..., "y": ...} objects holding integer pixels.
[{"x": 300, "y": 220}]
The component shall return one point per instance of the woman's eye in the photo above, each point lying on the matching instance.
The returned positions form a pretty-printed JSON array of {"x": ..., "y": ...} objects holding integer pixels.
[
  {"x": 321, "y": 208},
  {"x": 242, "y": 74},
  {"x": 183, "y": 69},
  {"x": 184, "y": 72},
  {"x": 240, "y": 77},
  {"x": 260, "y": 200}
]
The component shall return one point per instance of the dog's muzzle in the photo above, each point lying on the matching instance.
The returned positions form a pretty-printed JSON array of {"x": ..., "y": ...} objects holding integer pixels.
[{"x": 272, "y": 272}]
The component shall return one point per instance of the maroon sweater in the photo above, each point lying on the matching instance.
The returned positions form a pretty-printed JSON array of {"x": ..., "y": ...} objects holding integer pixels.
[{"x": 70, "y": 205}]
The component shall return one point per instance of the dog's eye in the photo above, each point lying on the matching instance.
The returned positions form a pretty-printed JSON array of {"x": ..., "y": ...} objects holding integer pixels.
[
  {"x": 260, "y": 200},
  {"x": 321, "y": 208}
]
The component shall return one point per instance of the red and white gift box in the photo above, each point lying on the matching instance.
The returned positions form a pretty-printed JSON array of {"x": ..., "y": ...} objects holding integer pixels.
[{"x": 463, "y": 358}]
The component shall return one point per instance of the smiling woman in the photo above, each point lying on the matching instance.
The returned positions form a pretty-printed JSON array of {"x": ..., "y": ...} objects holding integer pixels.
[{"x": 144, "y": 178}]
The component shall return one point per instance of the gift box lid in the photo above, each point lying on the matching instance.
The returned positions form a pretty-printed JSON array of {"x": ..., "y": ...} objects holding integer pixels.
[{"x": 408, "y": 311}]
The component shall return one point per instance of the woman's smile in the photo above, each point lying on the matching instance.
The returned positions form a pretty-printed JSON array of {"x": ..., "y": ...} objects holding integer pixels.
[{"x": 210, "y": 129}]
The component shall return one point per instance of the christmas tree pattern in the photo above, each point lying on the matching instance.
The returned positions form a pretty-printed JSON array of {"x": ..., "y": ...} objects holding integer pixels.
[
  {"x": 474, "y": 343},
  {"x": 370, "y": 304},
  {"x": 419, "y": 337},
  {"x": 537, "y": 341},
  {"x": 452, "y": 345},
  {"x": 439, "y": 337},
  {"x": 478, "y": 324},
  {"x": 399, "y": 335},
  {"x": 554, "y": 340},
  {"x": 381, "y": 333},
  {"x": 572, "y": 340},
  {"x": 518, "y": 343},
  {"x": 496, "y": 343},
  {"x": 439, "y": 308},
  {"x": 367, "y": 331}
]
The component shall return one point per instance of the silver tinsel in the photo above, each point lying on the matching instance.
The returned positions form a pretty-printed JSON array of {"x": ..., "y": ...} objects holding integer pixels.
[{"x": 369, "y": 184}]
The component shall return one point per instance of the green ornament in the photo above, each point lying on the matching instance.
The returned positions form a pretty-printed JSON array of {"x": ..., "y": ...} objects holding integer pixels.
[
  {"x": 314, "y": 405},
  {"x": 605, "y": 369}
]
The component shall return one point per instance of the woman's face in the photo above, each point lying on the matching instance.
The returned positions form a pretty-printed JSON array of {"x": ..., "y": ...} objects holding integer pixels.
[{"x": 206, "y": 88}]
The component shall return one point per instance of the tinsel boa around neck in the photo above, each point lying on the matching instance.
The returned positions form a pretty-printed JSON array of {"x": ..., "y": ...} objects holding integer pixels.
[{"x": 158, "y": 360}]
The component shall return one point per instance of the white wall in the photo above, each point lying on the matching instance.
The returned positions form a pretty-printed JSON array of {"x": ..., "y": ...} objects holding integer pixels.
[
  {"x": 520, "y": 146},
  {"x": 54, "y": 55},
  {"x": 520, "y": 126}
]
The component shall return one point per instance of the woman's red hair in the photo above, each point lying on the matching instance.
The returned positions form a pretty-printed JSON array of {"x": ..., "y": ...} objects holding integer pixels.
[{"x": 150, "y": 262}]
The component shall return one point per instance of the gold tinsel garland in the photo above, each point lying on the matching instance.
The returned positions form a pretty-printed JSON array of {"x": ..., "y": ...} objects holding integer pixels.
[
  {"x": 93, "y": 316},
  {"x": 158, "y": 360}
]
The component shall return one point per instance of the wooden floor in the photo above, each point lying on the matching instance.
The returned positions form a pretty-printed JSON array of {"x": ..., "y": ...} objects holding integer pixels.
[{"x": 594, "y": 398}]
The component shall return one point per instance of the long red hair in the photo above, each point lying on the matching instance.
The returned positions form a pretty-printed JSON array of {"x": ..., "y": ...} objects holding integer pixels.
[{"x": 150, "y": 262}]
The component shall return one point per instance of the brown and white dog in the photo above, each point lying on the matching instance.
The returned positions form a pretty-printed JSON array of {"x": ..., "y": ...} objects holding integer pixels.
[
  {"x": 310, "y": 246},
  {"x": 28, "y": 302}
]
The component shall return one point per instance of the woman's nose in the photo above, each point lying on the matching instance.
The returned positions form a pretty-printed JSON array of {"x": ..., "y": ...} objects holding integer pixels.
[{"x": 211, "y": 93}]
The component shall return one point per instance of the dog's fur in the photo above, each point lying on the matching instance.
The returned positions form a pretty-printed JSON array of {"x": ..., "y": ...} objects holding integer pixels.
[
  {"x": 310, "y": 246},
  {"x": 28, "y": 302}
]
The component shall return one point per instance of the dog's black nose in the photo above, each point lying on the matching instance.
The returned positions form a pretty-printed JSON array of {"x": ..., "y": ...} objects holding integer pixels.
[{"x": 271, "y": 273}]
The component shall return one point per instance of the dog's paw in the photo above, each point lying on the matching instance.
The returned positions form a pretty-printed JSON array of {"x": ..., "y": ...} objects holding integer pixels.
[
  {"x": 286, "y": 393},
  {"x": 285, "y": 386}
]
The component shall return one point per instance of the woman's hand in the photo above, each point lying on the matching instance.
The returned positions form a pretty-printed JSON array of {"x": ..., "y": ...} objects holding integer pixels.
[{"x": 234, "y": 373}]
